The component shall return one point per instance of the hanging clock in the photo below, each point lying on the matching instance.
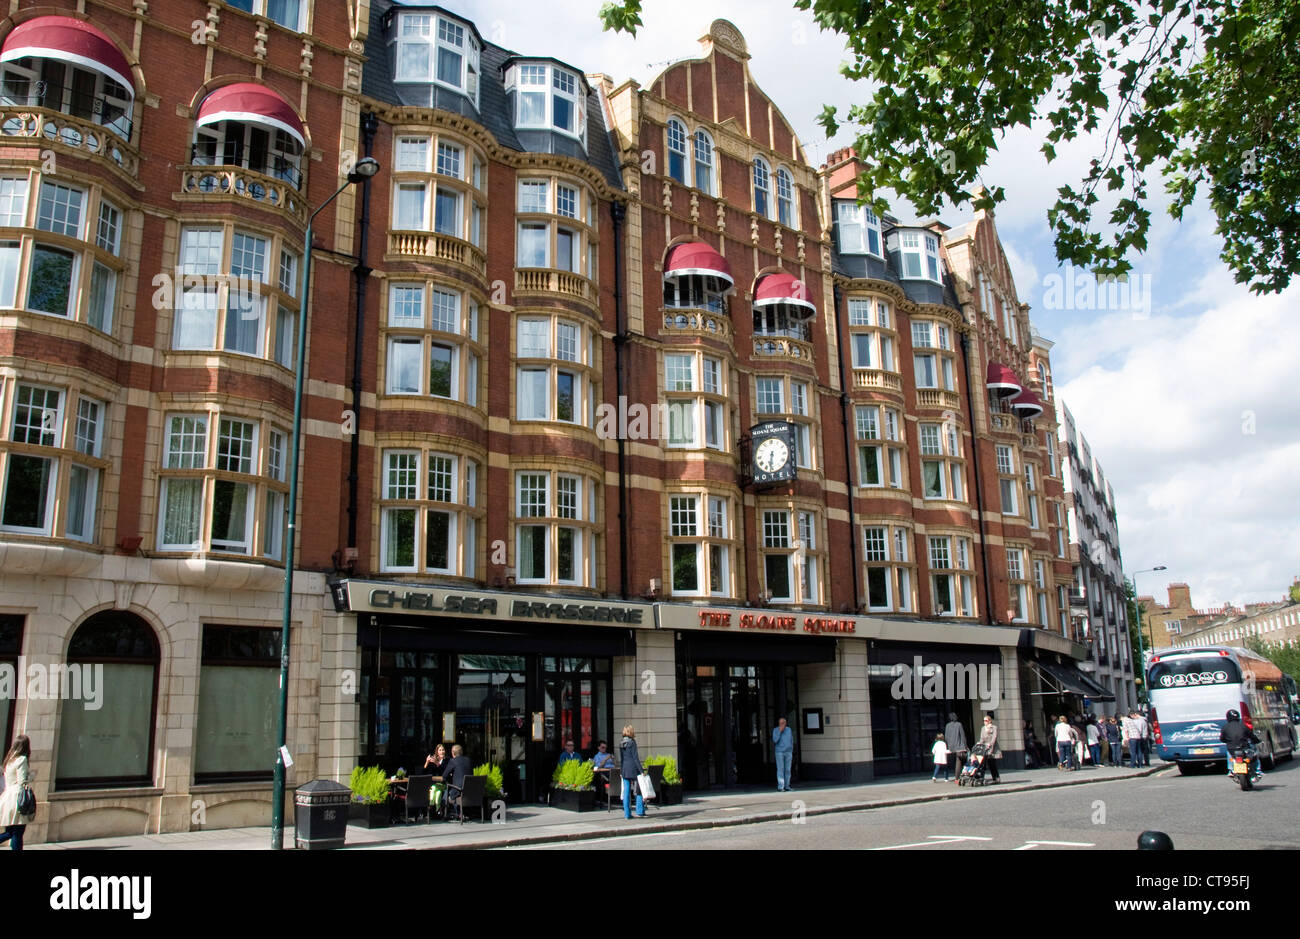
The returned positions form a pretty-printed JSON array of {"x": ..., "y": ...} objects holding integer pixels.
[{"x": 773, "y": 453}]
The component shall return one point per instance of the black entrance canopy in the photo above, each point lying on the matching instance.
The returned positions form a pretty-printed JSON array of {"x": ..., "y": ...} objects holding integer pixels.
[{"x": 1068, "y": 679}]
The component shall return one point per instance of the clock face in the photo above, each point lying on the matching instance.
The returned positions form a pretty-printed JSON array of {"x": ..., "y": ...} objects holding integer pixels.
[{"x": 772, "y": 455}]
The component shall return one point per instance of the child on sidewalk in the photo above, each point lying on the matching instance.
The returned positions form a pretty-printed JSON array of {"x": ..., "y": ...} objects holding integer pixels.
[{"x": 940, "y": 751}]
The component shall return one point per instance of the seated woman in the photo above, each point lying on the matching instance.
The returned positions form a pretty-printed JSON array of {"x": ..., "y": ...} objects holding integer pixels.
[{"x": 436, "y": 764}]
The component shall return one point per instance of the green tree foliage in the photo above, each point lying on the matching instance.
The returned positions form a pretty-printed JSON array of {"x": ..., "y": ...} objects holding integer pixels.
[
  {"x": 1203, "y": 93},
  {"x": 1134, "y": 612},
  {"x": 1285, "y": 655}
]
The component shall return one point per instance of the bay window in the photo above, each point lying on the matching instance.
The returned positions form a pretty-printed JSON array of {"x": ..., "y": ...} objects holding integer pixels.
[
  {"x": 554, "y": 376},
  {"x": 434, "y": 48},
  {"x": 438, "y": 187},
  {"x": 1007, "y": 485},
  {"x": 696, "y": 389},
  {"x": 700, "y": 545},
  {"x": 888, "y": 576},
  {"x": 432, "y": 342},
  {"x": 222, "y": 485},
  {"x": 859, "y": 229},
  {"x": 879, "y": 464},
  {"x": 790, "y": 400},
  {"x": 566, "y": 241},
  {"x": 555, "y": 529},
  {"x": 1017, "y": 588},
  {"x": 918, "y": 254},
  {"x": 790, "y": 556},
  {"x": 548, "y": 96},
  {"x": 428, "y": 518},
  {"x": 933, "y": 369},
  {"x": 232, "y": 312},
  {"x": 942, "y": 467},
  {"x": 951, "y": 583},
  {"x": 871, "y": 337}
]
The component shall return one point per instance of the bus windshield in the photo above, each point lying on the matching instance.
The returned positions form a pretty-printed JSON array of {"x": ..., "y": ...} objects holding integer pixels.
[{"x": 1194, "y": 670}]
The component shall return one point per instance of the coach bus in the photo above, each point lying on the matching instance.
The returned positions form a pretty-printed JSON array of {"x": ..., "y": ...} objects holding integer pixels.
[{"x": 1193, "y": 689}]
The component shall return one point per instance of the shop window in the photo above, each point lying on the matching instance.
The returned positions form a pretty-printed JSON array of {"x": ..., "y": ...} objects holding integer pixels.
[
  {"x": 110, "y": 745},
  {"x": 239, "y": 692}
]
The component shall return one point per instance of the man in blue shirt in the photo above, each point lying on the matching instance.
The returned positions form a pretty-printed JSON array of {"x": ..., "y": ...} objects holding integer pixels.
[
  {"x": 569, "y": 753},
  {"x": 783, "y": 738},
  {"x": 603, "y": 758}
]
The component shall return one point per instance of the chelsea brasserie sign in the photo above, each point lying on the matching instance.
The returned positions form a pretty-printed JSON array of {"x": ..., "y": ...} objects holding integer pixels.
[{"x": 398, "y": 599}]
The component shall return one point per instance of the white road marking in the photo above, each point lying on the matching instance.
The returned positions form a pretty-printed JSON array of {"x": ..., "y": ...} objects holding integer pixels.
[
  {"x": 1060, "y": 844},
  {"x": 934, "y": 839}
]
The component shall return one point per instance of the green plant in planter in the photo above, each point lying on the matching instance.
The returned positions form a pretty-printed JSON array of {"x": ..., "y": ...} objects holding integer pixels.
[
  {"x": 575, "y": 776},
  {"x": 369, "y": 785},
  {"x": 495, "y": 781},
  {"x": 671, "y": 776}
]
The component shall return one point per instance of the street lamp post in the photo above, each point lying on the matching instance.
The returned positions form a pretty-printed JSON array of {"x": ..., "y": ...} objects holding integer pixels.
[
  {"x": 1142, "y": 653},
  {"x": 363, "y": 170}
]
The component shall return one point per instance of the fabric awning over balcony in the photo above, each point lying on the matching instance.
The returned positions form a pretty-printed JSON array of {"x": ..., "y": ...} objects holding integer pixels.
[
  {"x": 65, "y": 39},
  {"x": 1027, "y": 405},
  {"x": 1002, "y": 381},
  {"x": 695, "y": 257},
  {"x": 787, "y": 289},
  {"x": 247, "y": 101}
]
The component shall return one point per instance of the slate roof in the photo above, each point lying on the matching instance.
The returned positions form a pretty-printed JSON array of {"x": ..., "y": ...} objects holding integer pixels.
[{"x": 494, "y": 107}]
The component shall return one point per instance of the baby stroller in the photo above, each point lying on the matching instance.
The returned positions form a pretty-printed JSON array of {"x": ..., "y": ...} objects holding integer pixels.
[{"x": 972, "y": 773}]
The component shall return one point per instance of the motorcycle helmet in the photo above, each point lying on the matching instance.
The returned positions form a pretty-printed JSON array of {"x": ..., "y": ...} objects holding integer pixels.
[
  {"x": 1154, "y": 841},
  {"x": 1234, "y": 716}
]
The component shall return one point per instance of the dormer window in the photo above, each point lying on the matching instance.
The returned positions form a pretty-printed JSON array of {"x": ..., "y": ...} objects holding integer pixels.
[
  {"x": 548, "y": 97},
  {"x": 918, "y": 254},
  {"x": 859, "y": 229},
  {"x": 435, "y": 48}
]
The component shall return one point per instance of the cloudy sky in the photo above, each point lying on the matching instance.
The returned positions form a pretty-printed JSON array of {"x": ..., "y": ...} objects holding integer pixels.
[{"x": 1190, "y": 401}]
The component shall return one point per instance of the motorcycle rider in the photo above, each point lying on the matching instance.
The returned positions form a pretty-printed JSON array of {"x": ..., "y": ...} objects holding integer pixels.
[{"x": 1238, "y": 736}]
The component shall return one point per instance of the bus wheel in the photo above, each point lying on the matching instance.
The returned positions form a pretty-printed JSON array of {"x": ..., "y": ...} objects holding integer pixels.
[{"x": 1268, "y": 762}]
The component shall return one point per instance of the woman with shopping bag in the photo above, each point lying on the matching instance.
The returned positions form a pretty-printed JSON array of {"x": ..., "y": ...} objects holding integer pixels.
[{"x": 630, "y": 769}]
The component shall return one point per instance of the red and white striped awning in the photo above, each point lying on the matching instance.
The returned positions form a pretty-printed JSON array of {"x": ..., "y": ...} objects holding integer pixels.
[
  {"x": 787, "y": 289},
  {"x": 1026, "y": 404},
  {"x": 1003, "y": 381},
  {"x": 65, "y": 39},
  {"x": 695, "y": 257},
  {"x": 257, "y": 104}
]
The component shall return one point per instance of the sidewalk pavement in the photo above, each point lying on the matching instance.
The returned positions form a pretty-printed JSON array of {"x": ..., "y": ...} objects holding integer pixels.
[{"x": 540, "y": 824}]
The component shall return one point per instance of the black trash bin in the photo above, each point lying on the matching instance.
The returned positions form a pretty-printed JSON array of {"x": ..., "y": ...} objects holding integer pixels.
[{"x": 321, "y": 814}]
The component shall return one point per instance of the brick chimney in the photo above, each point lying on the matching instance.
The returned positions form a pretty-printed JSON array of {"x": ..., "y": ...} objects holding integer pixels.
[
  {"x": 1180, "y": 597},
  {"x": 842, "y": 169}
]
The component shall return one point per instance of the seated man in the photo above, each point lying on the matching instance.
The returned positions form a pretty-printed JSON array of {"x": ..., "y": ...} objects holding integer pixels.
[
  {"x": 603, "y": 758},
  {"x": 569, "y": 752},
  {"x": 457, "y": 768}
]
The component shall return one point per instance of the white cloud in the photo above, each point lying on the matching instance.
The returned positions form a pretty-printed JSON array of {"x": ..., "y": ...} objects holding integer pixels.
[{"x": 1195, "y": 425}]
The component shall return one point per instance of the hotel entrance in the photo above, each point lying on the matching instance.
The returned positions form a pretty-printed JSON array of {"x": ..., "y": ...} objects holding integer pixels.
[{"x": 731, "y": 692}]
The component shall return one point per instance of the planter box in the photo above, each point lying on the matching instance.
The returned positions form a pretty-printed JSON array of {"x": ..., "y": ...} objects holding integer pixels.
[
  {"x": 370, "y": 814},
  {"x": 670, "y": 794},
  {"x": 572, "y": 801}
]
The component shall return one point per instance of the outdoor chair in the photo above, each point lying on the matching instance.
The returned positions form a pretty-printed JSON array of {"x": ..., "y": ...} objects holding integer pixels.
[
  {"x": 417, "y": 797},
  {"x": 470, "y": 794},
  {"x": 656, "y": 771}
]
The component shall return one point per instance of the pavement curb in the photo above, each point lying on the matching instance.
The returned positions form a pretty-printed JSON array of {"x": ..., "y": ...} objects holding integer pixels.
[{"x": 761, "y": 817}]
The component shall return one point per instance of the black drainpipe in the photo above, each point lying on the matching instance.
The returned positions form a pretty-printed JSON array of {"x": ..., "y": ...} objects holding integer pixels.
[
  {"x": 617, "y": 212},
  {"x": 845, "y": 378},
  {"x": 369, "y": 127},
  {"x": 979, "y": 488}
]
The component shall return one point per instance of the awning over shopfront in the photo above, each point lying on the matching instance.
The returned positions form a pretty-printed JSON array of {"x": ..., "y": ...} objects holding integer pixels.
[
  {"x": 1065, "y": 678},
  {"x": 65, "y": 39},
  {"x": 247, "y": 101},
  {"x": 695, "y": 257}
]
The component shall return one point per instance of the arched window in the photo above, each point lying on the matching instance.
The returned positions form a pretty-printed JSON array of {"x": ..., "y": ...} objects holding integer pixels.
[
  {"x": 785, "y": 198},
  {"x": 677, "y": 166},
  {"x": 704, "y": 162},
  {"x": 762, "y": 188},
  {"x": 106, "y": 731}
]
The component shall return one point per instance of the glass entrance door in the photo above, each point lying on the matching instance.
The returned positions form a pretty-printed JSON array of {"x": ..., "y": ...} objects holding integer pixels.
[
  {"x": 704, "y": 763},
  {"x": 492, "y": 715},
  {"x": 729, "y": 716}
]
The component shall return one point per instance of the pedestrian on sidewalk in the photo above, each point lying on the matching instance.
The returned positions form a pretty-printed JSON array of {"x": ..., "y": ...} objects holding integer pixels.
[
  {"x": 17, "y": 778},
  {"x": 954, "y": 735},
  {"x": 1094, "y": 742},
  {"x": 1113, "y": 739},
  {"x": 1133, "y": 734},
  {"x": 1076, "y": 747},
  {"x": 940, "y": 751},
  {"x": 783, "y": 739},
  {"x": 1061, "y": 733},
  {"x": 989, "y": 737},
  {"x": 1144, "y": 730},
  {"x": 630, "y": 768}
]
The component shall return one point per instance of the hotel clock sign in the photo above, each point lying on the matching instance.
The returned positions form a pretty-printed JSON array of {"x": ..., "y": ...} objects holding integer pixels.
[{"x": 773, "y": 455}]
